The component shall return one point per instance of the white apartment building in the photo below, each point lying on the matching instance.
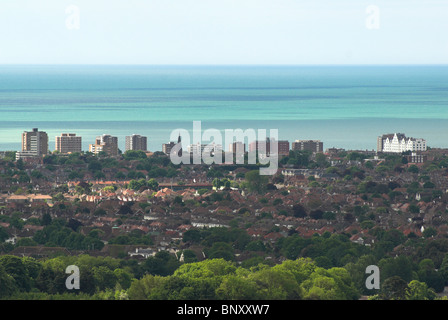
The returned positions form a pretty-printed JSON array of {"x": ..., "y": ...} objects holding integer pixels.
[
  {"x": 398, "y": 143},
  {"x": 34, "y": 144},
  {"x": 200, "y": 149},
  {"x": 106, "y": 143}
]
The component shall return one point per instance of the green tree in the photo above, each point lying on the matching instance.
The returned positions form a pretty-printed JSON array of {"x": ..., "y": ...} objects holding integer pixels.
[
  {"x": 87, "y": 281},
  {"x": 192, "y": 235},
  {"x": 152, "y": 184},
  {"x": 36, "y": 174},
  {"x": 7, "y": 284},
  {"x": 14, "y": 266},
  {"x": 134, "y": 155},
  {"x": 46, "y": 219},
  {"x": 257, "y": 245},
  {"x": 95, "y": 166},
  {"x": 395, "y": 236},
  {"x": 357, "y": 271},
  {"x": 51, "y": 280},
  {"x": 321, "y": 160},
  {"x": 299, "y": 211},
  {"x": 255, "y": 181},
  {"x": 26, "y": 242},
  {"x": 237, "y": 287},
  {"x": 444, "y": 268},
  {"x": 99, "y": 212},
  {"x": 417, "y": 290},
  {"x": 3, "y": 234},
  {"x": 428, "y": 274},
  {"x": 276, "y": 284},
  {"x": 401, "y": 266},
  {"x": 429, "y": 185},
  {"x": 189, "y": 256},
  {"x": 414, "y": 208},
  {"x": 104, "y": 278},
  {"x": 413, "y": 169},
  {"x": 217, "y": 183},
  {"x": 137, "y": 184},
  {"x": 162, "y": 264},
  {"x": 393, "y": 288},
  {"x": 146, "y": 288},
  {"x": 221, "y": 250},
  {"x": 429, "y": 232},
  {"x": 120, "y": 175},
  {"x": 20, "y": 165}
]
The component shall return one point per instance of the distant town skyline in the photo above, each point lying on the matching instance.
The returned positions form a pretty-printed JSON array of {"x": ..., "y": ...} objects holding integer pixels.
[
  {"x": 35, "y": 143},
  {"x": 231, "y": 32}
]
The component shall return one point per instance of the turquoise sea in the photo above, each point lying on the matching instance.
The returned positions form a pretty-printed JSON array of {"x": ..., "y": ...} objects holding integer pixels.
[{"x": 344, "y": 106}]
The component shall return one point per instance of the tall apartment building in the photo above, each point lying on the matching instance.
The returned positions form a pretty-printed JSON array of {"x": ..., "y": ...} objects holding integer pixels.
[
  {"x": 398, "y": 143},
  {"x": 264, "y": 147},
  {"x": 136, "y": 142},
  {"x": 34, "y": 144},
  {"x": 238, "y": 151},
  {"x": 68, "y": 143},
  {"x": 106, "y": 143},
  {"x": 308, "y": 145}
]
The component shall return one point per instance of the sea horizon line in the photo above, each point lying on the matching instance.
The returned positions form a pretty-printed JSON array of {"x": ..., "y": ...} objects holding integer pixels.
[{"x": 234, "y": 64}]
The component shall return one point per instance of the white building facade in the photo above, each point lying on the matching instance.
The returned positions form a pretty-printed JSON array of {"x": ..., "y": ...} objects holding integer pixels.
[
  {"x": 398, "y": 143},
  {"x": 200, "y": 149}
]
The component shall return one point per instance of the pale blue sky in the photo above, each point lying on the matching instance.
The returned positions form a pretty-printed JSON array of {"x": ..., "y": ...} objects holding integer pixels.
[{"x": 224, "y": 32}]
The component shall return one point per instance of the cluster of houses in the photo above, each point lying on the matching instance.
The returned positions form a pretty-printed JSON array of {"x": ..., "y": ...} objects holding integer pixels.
[{"x": 267, "y": 217}]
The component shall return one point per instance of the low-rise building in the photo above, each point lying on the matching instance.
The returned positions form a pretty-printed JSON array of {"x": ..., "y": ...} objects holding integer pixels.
[
  {"x": 416, "y": 158},
  {"x": 308, "y": 145}
]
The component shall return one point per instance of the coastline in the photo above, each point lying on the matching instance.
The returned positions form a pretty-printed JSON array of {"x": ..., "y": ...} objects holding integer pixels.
[{"x": 350, "y": 134}]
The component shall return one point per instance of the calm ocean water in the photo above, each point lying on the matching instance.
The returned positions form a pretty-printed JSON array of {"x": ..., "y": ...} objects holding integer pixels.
[{"x": 344, "y": 106}]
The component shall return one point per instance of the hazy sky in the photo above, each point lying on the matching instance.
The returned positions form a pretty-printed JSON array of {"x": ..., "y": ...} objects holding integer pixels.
[{"x": 224, "y": 32}]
